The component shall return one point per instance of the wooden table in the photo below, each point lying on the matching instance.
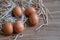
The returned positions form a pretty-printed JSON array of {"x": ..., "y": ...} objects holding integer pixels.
[{"x": 50, "y": 32}]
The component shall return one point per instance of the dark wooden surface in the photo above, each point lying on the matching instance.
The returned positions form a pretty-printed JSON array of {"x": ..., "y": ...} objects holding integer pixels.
[{"x": 50, "y": 32}]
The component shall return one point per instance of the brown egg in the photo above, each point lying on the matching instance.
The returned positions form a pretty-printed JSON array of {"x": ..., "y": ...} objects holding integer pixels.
[
  {"x": 29, "y": 10},
  {"x": 17, "y": 11},
  {"x": 7, "y": 28},
  {"x": 18, "y": 26},
  {"x": 33, "y": 19}
]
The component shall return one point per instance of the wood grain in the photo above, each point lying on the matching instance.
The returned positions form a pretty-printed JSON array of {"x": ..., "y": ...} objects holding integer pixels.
[{"x": 50, "y": 32}]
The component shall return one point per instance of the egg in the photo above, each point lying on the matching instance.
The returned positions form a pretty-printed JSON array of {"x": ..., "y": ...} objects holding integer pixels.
[
  {"x": 33, "y": 19},
  {"x": 18, "y": 26},
  {"x": 29, "y": 10},
  {"x": 17, "y": 11},
  {"x": 7, "y": 28}
]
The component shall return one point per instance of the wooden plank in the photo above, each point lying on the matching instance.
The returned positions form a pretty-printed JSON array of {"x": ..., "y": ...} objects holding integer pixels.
[{"x": 50, "y": 32}]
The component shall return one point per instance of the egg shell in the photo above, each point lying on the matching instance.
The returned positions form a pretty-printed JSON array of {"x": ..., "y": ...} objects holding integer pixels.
[
  {"x": 29, "y": 11},
  {"x": 18, "y": 26},
  {"x": 17, "y": 11},
  {"x": 33, "y": 19},
  {"x": 7, "y": 28}
]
